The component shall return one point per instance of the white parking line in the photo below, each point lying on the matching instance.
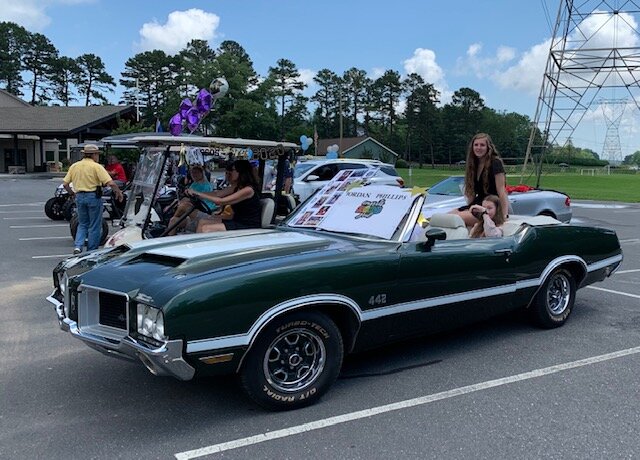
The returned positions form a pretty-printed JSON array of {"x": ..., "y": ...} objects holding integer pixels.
[
  {"x": 53, "y": 256},
  {"x": 627, "y": 271},
  {"x": 23, "y": 218},
  {"x": 331, "y": 421},
  {"x": 22, "y": 204},
  {"x": 44, "y": 238},
  {"x": 614, "y": 292},
  {"x": 631, "y": 240},
  {"x": 20, "y": 211},
  {"x": 38, "y": 226}
]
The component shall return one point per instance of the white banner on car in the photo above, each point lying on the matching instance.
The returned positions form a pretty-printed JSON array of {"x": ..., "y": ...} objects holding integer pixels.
[{"x": 371, "y": 210}]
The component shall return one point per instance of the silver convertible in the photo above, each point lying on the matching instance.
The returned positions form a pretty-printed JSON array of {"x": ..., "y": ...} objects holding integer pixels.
[{"x": 448, "y": 194}]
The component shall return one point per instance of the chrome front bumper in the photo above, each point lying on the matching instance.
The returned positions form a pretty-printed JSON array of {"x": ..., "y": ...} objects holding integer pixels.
[{"x": 165, "y": 360}]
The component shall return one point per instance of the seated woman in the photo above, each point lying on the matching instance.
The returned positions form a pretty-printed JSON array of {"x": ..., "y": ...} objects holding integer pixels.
[
  {"x": 243, "y": 196},
  {"x": 490, "y": 216},
  {"x": 199, "y": 184}
]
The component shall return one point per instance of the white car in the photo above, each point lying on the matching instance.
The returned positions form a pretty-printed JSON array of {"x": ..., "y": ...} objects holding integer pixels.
[{"x": 311, "y": 175}]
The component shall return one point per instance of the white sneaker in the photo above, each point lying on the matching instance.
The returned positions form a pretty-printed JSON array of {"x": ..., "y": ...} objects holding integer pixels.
[{"x": 76, "y": 251}]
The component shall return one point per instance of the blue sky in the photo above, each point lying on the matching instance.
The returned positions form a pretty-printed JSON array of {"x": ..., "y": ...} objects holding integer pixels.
[{"x": 497, "y": 47}]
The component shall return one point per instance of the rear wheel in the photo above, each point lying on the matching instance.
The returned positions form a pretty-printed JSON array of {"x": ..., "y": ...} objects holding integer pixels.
[
  {"x": 293, "y": 362},
  {"x": 554, "y": 302},
  {"x": 73, "y": 228},
  {"x": 53, "y": 208}
]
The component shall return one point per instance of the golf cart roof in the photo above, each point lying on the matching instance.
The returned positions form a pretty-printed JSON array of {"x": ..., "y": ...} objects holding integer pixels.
[{"x": 208, "y": 141}]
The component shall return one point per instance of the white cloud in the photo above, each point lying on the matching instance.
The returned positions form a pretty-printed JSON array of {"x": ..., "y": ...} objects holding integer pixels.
[
  {"x": 526, "y": 75},
  {"x": 483, "y": 66},
  {"x": 306, "y": 76},
  {"x": 377, "y": 72},
  {"x": 30, "y": 14},
  {"x": 423, "y": 62},
  {"x": 181, "y": 27}
]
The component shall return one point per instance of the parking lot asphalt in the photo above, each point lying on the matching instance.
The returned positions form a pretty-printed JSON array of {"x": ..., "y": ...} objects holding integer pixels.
[{"x": 500, "y": 389}]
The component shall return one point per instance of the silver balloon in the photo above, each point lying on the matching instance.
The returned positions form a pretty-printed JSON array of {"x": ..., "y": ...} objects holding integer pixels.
[{"x": 219, "y": 87}]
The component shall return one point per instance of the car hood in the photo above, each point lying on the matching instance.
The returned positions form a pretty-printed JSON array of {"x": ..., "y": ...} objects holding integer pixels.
[{"x": 153, "y": 265}]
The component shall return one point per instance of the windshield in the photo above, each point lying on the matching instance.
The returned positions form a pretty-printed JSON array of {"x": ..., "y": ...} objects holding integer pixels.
[
  {"x": 349, "y": 205},
  {"x": 149, "y": 172},
  {"x": 302, "y": 168},
  {"x": 452, "y": 186}
]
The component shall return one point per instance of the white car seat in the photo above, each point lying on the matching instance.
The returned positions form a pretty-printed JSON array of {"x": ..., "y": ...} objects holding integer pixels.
[
  {"x": 268, "y": 207},
  {"x": 515, "y": 223},
  {"x": 452, "y": 224}
]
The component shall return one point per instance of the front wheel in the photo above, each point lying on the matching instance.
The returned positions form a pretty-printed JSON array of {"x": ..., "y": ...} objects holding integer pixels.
[
  {"x": 73, "y": 228},
  {"x": 293, "y": 362},
  {"x": 53, "y": 208},
  {"x": 554, "y": 302}
]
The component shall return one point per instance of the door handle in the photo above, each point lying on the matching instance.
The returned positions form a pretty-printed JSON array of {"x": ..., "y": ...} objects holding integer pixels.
[{"x": 505, "y": 251}]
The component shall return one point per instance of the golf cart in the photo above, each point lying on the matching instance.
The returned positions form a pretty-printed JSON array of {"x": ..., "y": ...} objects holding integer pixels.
[{"x": 160, "y": 155}]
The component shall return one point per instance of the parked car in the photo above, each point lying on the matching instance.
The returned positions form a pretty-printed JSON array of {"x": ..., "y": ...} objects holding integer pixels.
[
  {"x": 311, "y": 175},
  {"x": 281, "y": 307},
  {"x": 523, "y": 200}
]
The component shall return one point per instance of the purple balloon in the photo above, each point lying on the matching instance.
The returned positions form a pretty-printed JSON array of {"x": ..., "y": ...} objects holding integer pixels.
[
  {"x": 175, "y": 124},
  {"x": 193, "y": 119},
  {"x": 203, "y": 101},
  {"x": 185, "y": 106}
]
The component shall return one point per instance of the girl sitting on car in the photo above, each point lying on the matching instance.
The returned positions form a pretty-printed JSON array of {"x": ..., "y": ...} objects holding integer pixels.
[{"x": 490, "y": 217}]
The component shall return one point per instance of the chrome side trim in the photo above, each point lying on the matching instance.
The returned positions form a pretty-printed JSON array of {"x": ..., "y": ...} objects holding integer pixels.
[
  {"x": 437, "y": 301},
  {"x": 605, "y": 263},
  {"x": 246, "y": 339}
]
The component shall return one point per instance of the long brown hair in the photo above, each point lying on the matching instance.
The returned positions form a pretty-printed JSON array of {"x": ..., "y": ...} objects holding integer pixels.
[
  {"x": 473, "y": 163},
  {"x": 498, "y": 219},
  {"x": 246, "y": 175}
]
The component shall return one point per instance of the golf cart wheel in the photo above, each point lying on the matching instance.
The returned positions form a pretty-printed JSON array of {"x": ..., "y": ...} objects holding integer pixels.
[
  {"x": 73, "y": 228},
  {"x": 53, "y": 208}
]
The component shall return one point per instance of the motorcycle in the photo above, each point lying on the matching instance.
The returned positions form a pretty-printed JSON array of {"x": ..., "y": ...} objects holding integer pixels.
[{"x": 54, "y": 208}]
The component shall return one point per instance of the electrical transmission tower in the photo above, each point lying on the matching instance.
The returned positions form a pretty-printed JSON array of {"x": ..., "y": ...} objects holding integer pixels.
[
  {"x": 612, "y": 110},
  {"x": 595, "y": 46}
]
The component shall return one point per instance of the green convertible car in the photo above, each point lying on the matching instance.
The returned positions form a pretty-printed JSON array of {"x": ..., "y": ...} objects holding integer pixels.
[{"x": 354, "y": 267}]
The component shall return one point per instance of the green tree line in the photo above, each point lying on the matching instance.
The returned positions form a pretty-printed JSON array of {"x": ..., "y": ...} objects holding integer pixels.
[{"x": 403, "y": 113}]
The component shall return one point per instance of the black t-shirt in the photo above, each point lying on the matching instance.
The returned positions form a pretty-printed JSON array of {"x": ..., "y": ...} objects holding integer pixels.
[
  {"x": 247, "y": 213},
  {"x": 496, "y": 168}
]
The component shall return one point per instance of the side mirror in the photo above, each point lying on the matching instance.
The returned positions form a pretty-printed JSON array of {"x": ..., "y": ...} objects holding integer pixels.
[
  {"x": 312, "y": 177},
  {"x": 432, "y": 234}
]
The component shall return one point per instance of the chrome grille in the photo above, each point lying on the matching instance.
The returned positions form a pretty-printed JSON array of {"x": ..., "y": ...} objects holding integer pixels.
[{"x": 113, "y": 310}]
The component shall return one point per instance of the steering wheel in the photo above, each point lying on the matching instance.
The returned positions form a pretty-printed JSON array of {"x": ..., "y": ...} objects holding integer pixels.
[{"x": 199, "y": 204}]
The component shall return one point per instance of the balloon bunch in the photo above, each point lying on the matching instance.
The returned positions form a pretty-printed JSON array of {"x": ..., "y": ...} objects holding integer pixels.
[
  {"x": 332, "y": 151},
  {"x": 305, "y": 142},
  {"x": 190, "y": 115}
]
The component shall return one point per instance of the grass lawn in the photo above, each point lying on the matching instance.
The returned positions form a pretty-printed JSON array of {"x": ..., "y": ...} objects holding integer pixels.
[{"x": 614, "y": 187}]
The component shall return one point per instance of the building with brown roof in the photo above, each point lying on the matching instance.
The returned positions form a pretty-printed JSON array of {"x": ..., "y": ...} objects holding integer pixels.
[
  {"x": 31, "y": 136},
  {"x": 358, "y": 147}
]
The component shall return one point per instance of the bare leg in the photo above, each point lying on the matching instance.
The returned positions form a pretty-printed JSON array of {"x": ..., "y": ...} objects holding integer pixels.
[
  {"x": 208, "y": 228},
  {"x": 207, "y": 221}
]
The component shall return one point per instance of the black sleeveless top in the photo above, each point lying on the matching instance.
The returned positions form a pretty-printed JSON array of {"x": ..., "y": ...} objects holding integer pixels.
[
  {"x": 248, "y": 213},
  {"x": 497, "y": 167}
]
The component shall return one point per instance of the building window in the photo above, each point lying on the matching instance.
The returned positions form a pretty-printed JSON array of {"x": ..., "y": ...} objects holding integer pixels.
[{"x": 50, "y": 155}]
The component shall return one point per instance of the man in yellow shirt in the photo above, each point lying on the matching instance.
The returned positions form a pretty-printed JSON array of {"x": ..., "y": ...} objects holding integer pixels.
[{"x": 88, "y": 177}]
